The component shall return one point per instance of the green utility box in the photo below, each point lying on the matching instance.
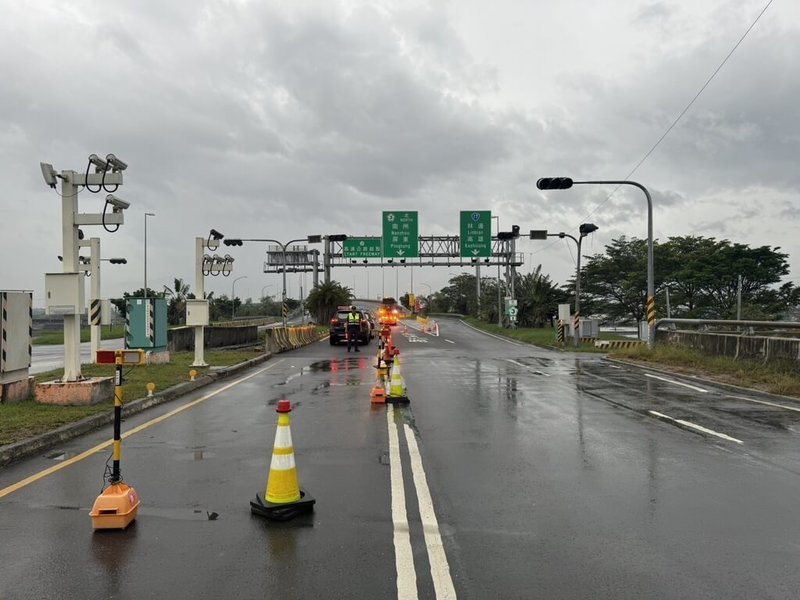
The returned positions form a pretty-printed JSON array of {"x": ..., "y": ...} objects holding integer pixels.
[{"x": 146, "y": 324}]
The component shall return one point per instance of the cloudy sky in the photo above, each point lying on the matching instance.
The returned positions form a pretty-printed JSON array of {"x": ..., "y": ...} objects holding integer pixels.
[{"x": 284, "y": 119}]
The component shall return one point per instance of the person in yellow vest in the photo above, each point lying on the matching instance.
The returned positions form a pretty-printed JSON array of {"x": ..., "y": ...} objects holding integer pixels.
[{"x": 353, "y": 328}]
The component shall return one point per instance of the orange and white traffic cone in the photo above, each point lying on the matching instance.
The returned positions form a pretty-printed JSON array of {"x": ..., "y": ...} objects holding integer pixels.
[
  {"x": 397, "y": 385},
  {"x": 283, "y": 499}
]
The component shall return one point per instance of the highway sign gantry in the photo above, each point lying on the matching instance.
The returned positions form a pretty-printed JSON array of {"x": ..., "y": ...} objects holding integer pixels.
[
  {"x": 476, "y": 233},
  {"x": 400, "y": 234}
]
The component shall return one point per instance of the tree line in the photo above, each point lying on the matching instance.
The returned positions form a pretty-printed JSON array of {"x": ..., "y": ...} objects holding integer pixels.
[{"x": 703, "y": 277}]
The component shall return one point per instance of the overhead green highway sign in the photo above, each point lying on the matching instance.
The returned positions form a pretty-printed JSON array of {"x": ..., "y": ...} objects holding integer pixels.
[
  {"x": 362, "y": 248},
  {"x": 476, "y": 233},
  {"x": 400, "y": 234}
]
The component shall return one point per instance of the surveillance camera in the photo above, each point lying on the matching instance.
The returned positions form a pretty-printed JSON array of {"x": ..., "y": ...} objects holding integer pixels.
[
  {"x": 116, "y": 164},
  {"x": 216, "y": 234},
  {"x": 49, "y": 174},
  {"x": 100, "y": 165},
  {"x": 117, "y": 203}
]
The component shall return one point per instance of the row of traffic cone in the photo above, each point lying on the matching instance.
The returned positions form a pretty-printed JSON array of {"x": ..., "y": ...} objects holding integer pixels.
[{"x": 390, "y": 385}]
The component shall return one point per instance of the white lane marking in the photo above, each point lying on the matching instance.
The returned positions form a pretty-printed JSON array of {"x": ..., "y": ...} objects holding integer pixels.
[
  {"x": 519, "y": 364},
  {"x": 695, "y": 388},
  {"x": 440, "y": 570},
  {"x": 697, "y": 427},
  {"x": 497, "y": 337},
  {"x": 403, "y": 557},
  {"x": 767, "y": 403},
  {"x": 449, "y": 341}
]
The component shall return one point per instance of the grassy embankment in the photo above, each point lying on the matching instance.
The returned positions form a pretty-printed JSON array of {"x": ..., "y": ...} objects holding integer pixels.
[
  {"x": 28, "y": 418},
  {"x": 775, "y": 378}
]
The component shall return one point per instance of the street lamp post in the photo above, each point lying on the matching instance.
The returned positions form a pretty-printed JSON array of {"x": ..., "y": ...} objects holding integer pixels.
[
  {"x": 233, "y": 295},
  {"x": 563, "y": 183},
  {"x": 147, "y": 214},
  {"x": 308, "y": 239},
  {"x": 585, "y": 229}
]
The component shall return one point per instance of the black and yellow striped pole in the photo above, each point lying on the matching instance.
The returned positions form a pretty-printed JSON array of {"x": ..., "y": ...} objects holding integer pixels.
[
  {"x": 118, "y": 504},
  {"x": 651, "y": 317}
]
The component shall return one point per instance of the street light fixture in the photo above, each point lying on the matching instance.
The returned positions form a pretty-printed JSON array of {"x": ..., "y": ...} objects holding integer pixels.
[
  {"x": 147, "y": 214},
  {"x": 564, "y": 183},
  {"x": 233, "y": 296}
]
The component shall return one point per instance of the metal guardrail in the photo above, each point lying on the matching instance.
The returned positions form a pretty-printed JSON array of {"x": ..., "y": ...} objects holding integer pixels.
[{"x": 732, "y": 323}]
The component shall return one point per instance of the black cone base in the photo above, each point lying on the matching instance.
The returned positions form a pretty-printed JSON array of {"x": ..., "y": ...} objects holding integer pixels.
[
  {"x": 397, "y": 399},
  {"x": 282, "y": 512}
]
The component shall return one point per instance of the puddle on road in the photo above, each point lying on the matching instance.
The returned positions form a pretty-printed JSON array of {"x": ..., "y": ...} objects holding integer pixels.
[{"x": 59, "y": 455}]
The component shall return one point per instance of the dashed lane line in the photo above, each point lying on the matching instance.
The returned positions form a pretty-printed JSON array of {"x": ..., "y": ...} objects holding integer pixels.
[
  {"x": 692, "y": 387},
  {"x": 695, "y": 427}
]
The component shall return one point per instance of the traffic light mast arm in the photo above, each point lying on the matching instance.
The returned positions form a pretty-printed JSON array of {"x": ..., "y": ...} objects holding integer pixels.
[{"x": 562, "y": 183}]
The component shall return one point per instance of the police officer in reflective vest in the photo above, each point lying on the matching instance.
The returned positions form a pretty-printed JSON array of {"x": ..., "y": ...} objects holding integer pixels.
[{"x": 353, "y": 328}]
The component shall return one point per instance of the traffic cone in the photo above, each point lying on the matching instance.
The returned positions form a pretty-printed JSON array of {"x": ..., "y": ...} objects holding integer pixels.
[
  {"x": 283, "y": 499},
  {"x": 397, "y": 385}
]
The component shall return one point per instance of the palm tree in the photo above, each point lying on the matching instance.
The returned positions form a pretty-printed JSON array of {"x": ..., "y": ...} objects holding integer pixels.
[
  {"x": 324, "y": 298},
  {"x": 176, "y": 310}
]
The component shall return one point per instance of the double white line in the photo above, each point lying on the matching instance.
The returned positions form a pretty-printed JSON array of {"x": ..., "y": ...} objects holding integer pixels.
[{"x": 404, "y": 559}]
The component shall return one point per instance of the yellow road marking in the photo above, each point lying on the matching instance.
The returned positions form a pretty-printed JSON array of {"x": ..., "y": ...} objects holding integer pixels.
[{"x": 71, "y": 461}]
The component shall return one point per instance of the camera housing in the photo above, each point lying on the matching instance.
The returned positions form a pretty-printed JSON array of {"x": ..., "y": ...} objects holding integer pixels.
[
  {"x": 100, "y": 165},
  {"x": 116, "y": 164},
  {"x": 118, "y": 203}
]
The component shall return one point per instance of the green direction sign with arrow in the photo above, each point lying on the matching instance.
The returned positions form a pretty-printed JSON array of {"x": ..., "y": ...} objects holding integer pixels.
[
  {"x": 362, "y": 248},
  {"x": 400, "y": 234},
  {"x": 476, "y": 233}
]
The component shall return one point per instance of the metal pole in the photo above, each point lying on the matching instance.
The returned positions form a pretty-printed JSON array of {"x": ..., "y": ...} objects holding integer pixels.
[
  {"x": 233, "y": 295},
  {"x": 651, "y": 301},
  {"x": 577, "y": 320},
  {"x": 668, "y": 311},
  {"x": 147, "y": 214},
  {"x": 499, "y": 305},
  {"x": 69, "y": 250},
  {"x": 738, "y": 299},
  {"x": 199, "y": 285},
  {"x": 94, "y": 259},
  {"x": 316, "y": 268},
  {"x": 478, "y": 289},
  {"x": 283, "y": 303}
]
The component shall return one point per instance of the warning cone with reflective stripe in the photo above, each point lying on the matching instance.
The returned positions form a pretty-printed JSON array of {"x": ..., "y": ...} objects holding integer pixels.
[
  {"x": 283, "y": 499},
  {"x": 397, "y": 385}
]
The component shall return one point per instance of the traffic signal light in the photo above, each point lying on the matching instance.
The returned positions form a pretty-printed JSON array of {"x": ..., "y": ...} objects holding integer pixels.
[
  {"x": 337, "y": 237},
  {"x": 515, "y": 231},
  {"x": 232, "y": 242},
  {"x": 554, "y": 183},
  {"x": 118, "y": 261}
]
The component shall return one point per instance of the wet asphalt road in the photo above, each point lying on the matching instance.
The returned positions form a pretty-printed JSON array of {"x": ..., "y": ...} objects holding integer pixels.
[{"x": 549, "y": 476}]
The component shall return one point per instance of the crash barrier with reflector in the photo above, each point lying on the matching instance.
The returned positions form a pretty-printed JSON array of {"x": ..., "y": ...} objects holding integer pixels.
[{"x": 281, "y": 339}]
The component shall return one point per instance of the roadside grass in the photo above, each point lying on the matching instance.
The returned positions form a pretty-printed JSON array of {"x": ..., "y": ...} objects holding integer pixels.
[
  {"x": 774, "y": 377},
  {"x": 544, "y": 336},
  {"x": 28, "y": 418},
  {"x": 50, "y": 338},
  {"x": 781, "y": 378}
]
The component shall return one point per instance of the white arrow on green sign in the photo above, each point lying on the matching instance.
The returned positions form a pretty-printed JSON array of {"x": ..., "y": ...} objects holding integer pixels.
[
  {"x": 362, "y": 248},
  {"x": 476, "y": 233},
  {"x": 400, "y": 234}
]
